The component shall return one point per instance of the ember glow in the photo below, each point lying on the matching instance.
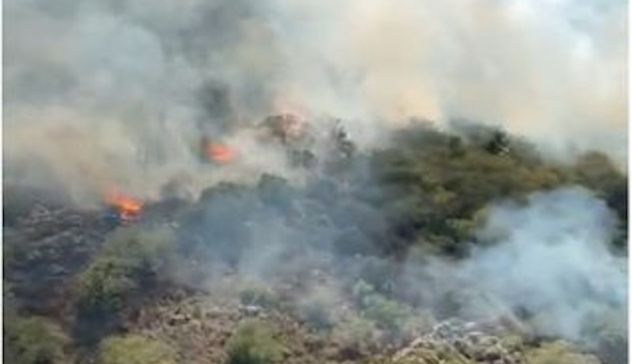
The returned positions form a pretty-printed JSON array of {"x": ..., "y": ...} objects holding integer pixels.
[
  {"x": 129, "y": 208},
  {"x": 349, "y": 182},
  {"x": 220, "y": 153}
]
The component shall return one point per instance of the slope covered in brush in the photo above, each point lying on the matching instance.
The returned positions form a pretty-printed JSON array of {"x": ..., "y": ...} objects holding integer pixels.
[{"x": 357, "y": 261}]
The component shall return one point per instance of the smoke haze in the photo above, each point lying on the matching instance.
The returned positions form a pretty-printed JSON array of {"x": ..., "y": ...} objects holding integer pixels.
[
  {"x": 103, "y": 93},
  {"x": 121, "y": 95},
  {"x": 548, "y": 257}
]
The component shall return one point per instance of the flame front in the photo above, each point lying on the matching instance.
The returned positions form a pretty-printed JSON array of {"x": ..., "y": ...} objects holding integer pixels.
[
  {"x": 128, "y": 207},
  {"x": 220, "y": 153}
]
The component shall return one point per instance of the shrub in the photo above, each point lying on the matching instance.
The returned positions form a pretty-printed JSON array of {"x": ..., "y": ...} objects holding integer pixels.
[
  {"x": 360, "y": 290},
  {"x": 558, "y": 353},
  {"x": 356, "y": 333},
  {"x": 130, "y": 258},
  {"x": 317, "y": 314},
  {"x": 105, "y": 285},
  {"x": 388, "y": 314},
  {"x": 253, "y": 343},
  {"x": 434, "y": 184},
  {"x": 34, "y": 340},
  {"x": 150, "y": 250},
  {"x": 134, "y": 349},
  {"x": 378, "y": 273}
]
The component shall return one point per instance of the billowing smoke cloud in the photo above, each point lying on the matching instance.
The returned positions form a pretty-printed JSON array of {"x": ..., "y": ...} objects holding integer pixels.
[
  {"x": 548, "y": 258},
  {"x": 118, "y": 92},
  {"x": 547, "y": 261}
]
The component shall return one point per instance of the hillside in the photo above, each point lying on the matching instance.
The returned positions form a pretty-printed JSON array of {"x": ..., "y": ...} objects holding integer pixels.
[{"x": 378, "y": 256}]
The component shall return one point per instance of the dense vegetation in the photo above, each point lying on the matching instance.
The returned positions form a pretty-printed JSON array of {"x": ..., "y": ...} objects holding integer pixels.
[{"x": 348, "y": 230}]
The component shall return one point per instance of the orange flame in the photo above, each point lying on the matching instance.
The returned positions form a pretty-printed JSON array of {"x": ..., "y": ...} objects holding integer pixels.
[
  {"x": 220, "y": 153},
  {"x": 128, "y": 207}
]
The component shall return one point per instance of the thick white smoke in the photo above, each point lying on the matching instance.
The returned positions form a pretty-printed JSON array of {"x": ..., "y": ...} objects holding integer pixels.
[
  {"x": 536, "y": 67},
  {"x": 118, "y": 92},
  {"x": 550, "y": 258}
]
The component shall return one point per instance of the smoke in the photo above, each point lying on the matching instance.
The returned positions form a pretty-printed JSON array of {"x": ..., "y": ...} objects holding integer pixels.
[
  {"x": 548, "y": 258},
  {"x": 546, "y": 261},
  {"x": 119, "y": 92}
]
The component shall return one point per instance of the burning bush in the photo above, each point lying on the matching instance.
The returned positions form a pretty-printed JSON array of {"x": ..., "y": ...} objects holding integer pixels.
[
  {"x": 127, "y": 207},
  {"x": 333, "y": 230},
  {"x": 218, "y": 153}
]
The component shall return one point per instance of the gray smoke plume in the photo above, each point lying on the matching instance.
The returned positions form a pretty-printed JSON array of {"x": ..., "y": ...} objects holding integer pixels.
[
  {"x": 118, "y": 92},
  {"x": 548, "y": 258}
]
